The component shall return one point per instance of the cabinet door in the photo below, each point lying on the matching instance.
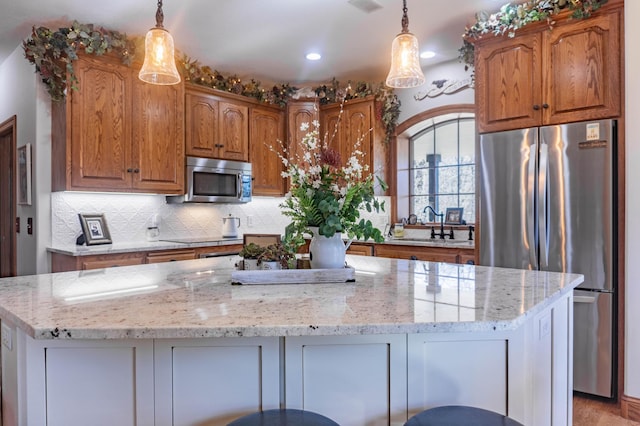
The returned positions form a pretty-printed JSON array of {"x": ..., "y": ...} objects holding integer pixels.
[
  {"x": 358, "y": 132},
  {"x": 201, "y": 125},
  {"x": 431, "y": 254},
  {"x": 583, "y": 71},
  {"x": 297, "y": 114},
  {"x": 360, "y": 249},
  {"x": 233, "y": 136},
  {"x": 100, "y": 143},
  {"x": 158, "y": 138},
  {"x": 267, "y": 134},
  {"x": 331, "y": 129},
  {"x": 509, "y": 83}
]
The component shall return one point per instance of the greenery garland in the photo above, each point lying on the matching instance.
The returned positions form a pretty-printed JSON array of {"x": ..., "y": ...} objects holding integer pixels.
[
  {"x": 514, "y": 16},
  {"x": 53, "y": 53}
]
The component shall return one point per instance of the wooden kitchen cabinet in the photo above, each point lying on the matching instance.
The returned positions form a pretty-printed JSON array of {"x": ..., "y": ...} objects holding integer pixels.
[
  {"x": 266, "y": 133},
  {"x": 216, "y": 126},
  {"x": 426, "y": 253},
  {"x": 117, "y": 133},
  {"x": 299, "y": 112},
  {"x": 361, "y": 249},
  {"x": 542, "y": 77},
  {"x": 170, "y": 256},
  {"x": 357, "y": 128},
  {"x": 63, "y": 263}
]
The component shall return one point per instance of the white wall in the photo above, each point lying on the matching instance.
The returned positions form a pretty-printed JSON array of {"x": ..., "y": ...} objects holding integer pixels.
[
  {"x": 18, "y": 97},
  {"x": 452, "y": 70},
  {"x": 632, "y": 132}
]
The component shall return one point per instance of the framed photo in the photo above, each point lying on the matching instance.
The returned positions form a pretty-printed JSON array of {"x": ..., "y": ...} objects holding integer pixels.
[
  {"x": 24, "y": 174},
  {"x": 94, "y": 229},
  {"x": 453, "y": 216}
]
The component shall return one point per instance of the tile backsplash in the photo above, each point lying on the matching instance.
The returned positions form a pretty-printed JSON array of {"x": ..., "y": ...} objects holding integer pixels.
[{"x": 128, "y": 216}]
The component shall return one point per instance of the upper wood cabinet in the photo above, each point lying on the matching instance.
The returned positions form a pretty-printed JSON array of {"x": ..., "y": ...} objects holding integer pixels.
[
  {"x": 357, "y": 128},
  {"x": 569, "y": 73},
  {"x": 266, "y": 133},
  {"x": 116, "y": 133},
  {"x": 216, "y": 127},
  {"x": 299, "y": 112}
]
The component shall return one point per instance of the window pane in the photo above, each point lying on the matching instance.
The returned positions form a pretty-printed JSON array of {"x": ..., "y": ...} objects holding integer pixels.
[
  {"x": 467, "y": 179},
  {"x": 417, "y": 206},
  {"x": 444, "y": 201},
  {"x": 468, "y": 202},
  {"x": 447, "y": 143},
  {"x": 420, "y": 181},
  {"x": 447, "y": 180},
  {"x": 467, "y": 141},
  {"x": 420, "y": 148}
]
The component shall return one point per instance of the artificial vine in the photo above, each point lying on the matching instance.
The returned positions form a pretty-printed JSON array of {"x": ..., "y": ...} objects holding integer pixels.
[
  {"x": 514, "y": 16},
  {"x": 53, "y": 53}
]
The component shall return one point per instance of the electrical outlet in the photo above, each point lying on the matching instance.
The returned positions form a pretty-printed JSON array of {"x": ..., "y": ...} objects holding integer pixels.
[
  {"x": 250, "y": 221},
  {"x": 5, "y": 336}
]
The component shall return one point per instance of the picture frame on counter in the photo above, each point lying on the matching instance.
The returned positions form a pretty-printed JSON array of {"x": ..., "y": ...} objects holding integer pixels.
[
  {"x": 453, "y": 216},
  {"x": 94, "y": 229}
]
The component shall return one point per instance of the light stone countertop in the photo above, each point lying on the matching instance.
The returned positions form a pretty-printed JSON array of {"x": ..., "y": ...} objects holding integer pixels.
[
  {"x": 195, "y": 298},
  {"x": 136, "y": 246}
]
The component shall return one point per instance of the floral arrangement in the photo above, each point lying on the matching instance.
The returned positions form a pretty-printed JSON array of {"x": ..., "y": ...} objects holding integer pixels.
[
  {"x": 327, "y": 194},
  {"x": 514, "y": 16},
  {"x": 53, "y": 53}
]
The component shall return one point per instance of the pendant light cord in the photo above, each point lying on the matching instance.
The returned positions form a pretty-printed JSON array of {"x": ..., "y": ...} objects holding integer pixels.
[
  {"x": 160, "y": 15},
  {"x": 405, "y": 18}
]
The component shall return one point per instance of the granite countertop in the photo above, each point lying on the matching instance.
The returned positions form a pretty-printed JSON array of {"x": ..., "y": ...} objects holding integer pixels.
[
  {"x": 195, "y": 298},
  {"x": 136, "y": 246}
]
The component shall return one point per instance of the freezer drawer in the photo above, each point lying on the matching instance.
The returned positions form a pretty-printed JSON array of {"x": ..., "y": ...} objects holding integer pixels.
[{"x": 593, "y": 338}]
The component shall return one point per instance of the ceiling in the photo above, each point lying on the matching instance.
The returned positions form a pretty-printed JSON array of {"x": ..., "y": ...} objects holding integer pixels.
[{"x": 266, "y": 39}]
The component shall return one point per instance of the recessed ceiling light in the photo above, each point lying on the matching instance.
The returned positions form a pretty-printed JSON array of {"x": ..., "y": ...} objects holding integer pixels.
[
  {"x": 313, "y": 56},
  {"x": 427, "y": 54}
]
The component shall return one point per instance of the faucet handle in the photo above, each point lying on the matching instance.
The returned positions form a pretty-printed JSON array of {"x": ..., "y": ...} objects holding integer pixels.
[
  {"x": 433, "y": 232},
  {"x": 471, "y": 229},
  {"x": 451, "y": 236}
]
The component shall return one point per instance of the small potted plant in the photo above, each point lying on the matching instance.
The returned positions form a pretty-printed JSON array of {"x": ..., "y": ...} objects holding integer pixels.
[
  {"x": 276, "y": 256},
  {"x": 250, "y": 254}
]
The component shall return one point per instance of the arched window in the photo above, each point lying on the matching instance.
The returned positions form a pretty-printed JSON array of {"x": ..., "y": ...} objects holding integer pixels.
[{"x": 436, "y": 167}]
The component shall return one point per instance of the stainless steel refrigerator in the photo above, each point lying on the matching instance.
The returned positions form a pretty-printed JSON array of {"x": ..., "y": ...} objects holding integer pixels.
[{"x": 548, "y": 202}]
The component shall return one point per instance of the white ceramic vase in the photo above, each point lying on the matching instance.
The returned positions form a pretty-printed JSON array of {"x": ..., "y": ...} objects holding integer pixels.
[{"x": 326, "y": 252}]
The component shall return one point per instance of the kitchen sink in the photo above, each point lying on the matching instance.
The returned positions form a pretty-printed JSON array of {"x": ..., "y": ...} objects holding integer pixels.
[{"x": 438, "y": 241}]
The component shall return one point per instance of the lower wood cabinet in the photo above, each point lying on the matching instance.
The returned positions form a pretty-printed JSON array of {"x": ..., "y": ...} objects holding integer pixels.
[
  {"x": 170, "y": 256},
  {"x": 63, "y": 262},
  {"x": 426, "y": 253},
  {"x": 360, "y": 249}
]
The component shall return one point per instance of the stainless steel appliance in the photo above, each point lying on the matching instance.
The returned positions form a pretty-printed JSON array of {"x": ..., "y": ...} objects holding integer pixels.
[
  {"x": 548, "y": 201},
  {"x": 210, "y": 180}
]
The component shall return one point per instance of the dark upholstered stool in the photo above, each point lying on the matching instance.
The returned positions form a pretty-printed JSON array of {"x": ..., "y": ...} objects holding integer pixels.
[
  {"x": 283, "y": 417},
  {"x": 457, "y": 415}
]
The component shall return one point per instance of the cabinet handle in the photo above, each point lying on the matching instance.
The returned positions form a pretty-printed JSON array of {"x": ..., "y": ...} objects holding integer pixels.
[
  {"x": 545, "y": 106},
  {"x": 129, "y": 170},
  {"x": 536, "y": 107},
  {"x": 136, "y": 170}
]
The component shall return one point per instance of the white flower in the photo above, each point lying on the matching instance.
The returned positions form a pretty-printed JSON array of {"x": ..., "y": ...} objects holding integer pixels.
[{"x": 304, "y": 126}]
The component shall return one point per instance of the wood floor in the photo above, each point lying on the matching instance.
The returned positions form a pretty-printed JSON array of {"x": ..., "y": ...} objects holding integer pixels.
[{"x": 588, "y": 412}]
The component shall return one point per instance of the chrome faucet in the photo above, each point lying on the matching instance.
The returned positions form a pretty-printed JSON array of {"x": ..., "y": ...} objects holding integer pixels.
[{"x": 433, "y": 231}]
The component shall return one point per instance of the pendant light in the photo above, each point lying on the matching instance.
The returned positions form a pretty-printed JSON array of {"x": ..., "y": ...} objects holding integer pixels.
[
  {"x": 405, "y": 69},
  {"x": 159, "y": 62}
]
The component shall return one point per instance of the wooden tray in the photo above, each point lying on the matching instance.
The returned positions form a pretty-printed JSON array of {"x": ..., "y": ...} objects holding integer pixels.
[{"x": 294, "y": 276}]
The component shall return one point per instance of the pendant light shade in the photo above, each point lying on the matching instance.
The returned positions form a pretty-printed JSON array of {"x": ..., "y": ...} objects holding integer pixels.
[
  {"x": 159, "y": 62},
  {"x": 405, "y": 69}
]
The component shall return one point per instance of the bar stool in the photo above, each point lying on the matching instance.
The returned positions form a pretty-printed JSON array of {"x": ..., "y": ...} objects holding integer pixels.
[
  {"x": 458, "y": 415},
  {"x": 283, "y": 417}
]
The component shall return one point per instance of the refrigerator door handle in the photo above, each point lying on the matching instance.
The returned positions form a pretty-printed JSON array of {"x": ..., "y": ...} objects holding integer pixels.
[
  {"x": 584, "y": 299},
  {"x": 542, "y": 205},
  {"x": 530, "y": 209}
]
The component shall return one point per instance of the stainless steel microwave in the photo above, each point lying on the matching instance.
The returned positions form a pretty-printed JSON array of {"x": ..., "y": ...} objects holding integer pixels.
[{"x": 215, "y": 181}]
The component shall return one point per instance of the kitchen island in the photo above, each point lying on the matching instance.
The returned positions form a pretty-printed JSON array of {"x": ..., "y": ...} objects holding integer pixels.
[{"x": 177, "y": 343}]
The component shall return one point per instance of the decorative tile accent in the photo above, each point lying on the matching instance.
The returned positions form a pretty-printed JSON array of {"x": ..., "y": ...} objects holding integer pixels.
[{"x": 128, "y": 216}]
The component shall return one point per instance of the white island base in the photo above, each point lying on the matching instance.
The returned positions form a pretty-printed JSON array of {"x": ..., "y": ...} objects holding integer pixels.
[
  {"x": 355, "y": 380},
  {"x": 345, "y": 369}
]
